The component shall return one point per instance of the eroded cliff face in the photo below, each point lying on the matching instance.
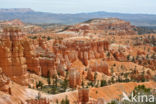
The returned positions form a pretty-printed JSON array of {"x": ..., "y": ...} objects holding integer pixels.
[
  {"x": 18, "y": 55},
  {"x": 82, "y": 49},
  {"x": 38, "y": 101},
  {"x": 4, "y": 82},
  {"x": 107, "y": 93},
  {"x": 32, "y": 60},
  {"x": 99, "y": 67},
  {"x": 101, "y": 50},
  {"x": 12, "y": 59},
  {"x": 63, "y": 53},
  {"x": 74, "y": 78},
  {"x": 107, "y": 26}
]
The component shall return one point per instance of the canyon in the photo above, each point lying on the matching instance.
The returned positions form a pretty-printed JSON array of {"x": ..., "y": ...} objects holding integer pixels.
[{"x": 89, "y": 63}]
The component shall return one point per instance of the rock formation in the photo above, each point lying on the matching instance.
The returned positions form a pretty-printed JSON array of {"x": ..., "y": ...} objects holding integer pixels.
[
  {"x": 119, "y": 56},
  {"x": 90, "y": 75},
  {"x": 12, "y": 59},
  {"x": 14, "y": 22},
  {"x": 100, "y": 67},
  {"x": 38, "y": 101},
  {"x": 96, "y": 53},
  {"x": 32, "y": 60},
  {"x": 74, "y": 78},
  {"x": 4, "y": 82},
  {"x": 84, "y": 50},
  {"x": 47, "y": 66},
  {"x": 83, "y": 95},
  {"x": 107, "y": 26}
]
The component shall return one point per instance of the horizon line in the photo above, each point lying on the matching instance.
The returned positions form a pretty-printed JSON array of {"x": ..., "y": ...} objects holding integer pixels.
[{"x": 85, "y": 12}]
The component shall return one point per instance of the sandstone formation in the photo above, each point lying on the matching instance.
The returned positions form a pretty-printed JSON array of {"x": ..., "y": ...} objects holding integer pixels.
[
  {"x": 108, "y": 93},
  {"x": 89, "y": 55},
  {"x": 84, "y": 50},
  {"x": 12, "y": 59},
  {"x": 100, "y": 67},
  {"x": 38, "y": 101},
  {"x": 107, "y": 26},
  {"x": 4, "y": 82},
  {"x": 119, "y": 56},
  {"x": 61, "y": 70},
  {"x": 74, "y": 78},
  {"x": 14, "y": 22},
  {"x": 32, "y": 60},
  {"x": 47, "y": 66},
  {"x": 90, "y": 75},
  {"x": 83, "y": 95}
]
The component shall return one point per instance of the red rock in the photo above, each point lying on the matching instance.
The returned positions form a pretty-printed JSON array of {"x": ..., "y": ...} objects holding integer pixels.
[
  {"x": 12, "y": 60},
  {"x": 47, "y": 65},
  {"x": 90, "y": 75},
  {"x": 100, "y": 67},
  {"x": 38, "y": 101},
  {"x": 107, "y": 26},
  {"x": 84, "y": 50},
  {"x": 83, "y": 95},
  {"x": 119, "y": 56},
  {"x": 74, "y": 78},
  {"x": 4, "y": 82},
  {"x": 32, "y": 60}
]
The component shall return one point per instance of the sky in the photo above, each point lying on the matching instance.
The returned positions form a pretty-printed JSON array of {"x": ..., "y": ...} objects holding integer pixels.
[{"x": 79, "y": 6}]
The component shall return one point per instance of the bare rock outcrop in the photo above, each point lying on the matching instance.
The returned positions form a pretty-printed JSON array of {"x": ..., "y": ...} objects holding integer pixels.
[
  {"x": 47, "y": 66},
  {"x": 32, "y": 60},
  {"x": 38, "y": 101},
  {"x": 82, "y": 49},
  {"x": 12, "y": 58},
  {"x": 74, "y": 78},
  {"x": 4, "y": 82},
  {"x": 90, "y": 75},
  {"x": 83, "y": 95},
  {"x": 119, "y": 56},
  {"x": 106, "y": 26},
  {"x": 100, "y": 67}
]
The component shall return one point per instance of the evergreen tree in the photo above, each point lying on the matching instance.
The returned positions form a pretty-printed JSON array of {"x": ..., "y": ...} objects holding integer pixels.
[
  {"x": 55, "y": 80},
  {"x": 54, "y": 88},
  {"x": 57, "y": 102},
  {"x": 128, "y": 57},
  {"x": 66, "y": 100},
  {"x": 40, "y": 84},
  {"x": 133, "y": 60},
  {"x": 48, "y": 79},
  {"x": 82, "y": 84},
  {"x": 108, "y": 54},
  {"x": 103, "y": 83},
  {"x": 36, "y": 85},
  {"x": 95, "y": 76},
  {"x": 62, "y": 102},
  {"x": 65, "y": 84}
]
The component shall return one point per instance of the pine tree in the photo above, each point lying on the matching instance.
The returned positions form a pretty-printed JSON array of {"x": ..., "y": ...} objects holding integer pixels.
[
  {"x": 62, "y": 102},
  {"x": 82, "y": 84},
  {"x": 66, "y": 100},
  {"x": 57, "y": 102},
  {"x": 65, "y": 84},
  {"x": 40, "y": 84},
  {"x": 103, "y": 83},
  {"x": 48, "y": 79},
  {"x": 128, "y": 57},
  {"x": 95, "y": 76}
]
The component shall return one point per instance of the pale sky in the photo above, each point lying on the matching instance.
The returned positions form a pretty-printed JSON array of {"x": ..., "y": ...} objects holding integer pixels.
[{"x": 77, "y": 6}]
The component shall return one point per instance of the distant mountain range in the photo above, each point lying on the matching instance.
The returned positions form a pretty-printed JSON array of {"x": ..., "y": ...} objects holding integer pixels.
[{"x": 34, "y": 17}]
